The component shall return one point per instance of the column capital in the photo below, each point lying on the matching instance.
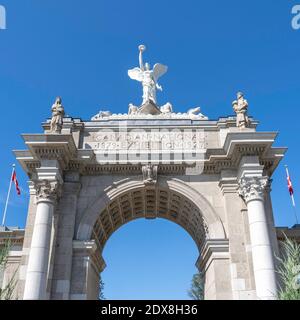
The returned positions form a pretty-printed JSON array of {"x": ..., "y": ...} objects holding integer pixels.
[
  {"x": 253, "y": 188},
  {"x": 47, "y": 190}
]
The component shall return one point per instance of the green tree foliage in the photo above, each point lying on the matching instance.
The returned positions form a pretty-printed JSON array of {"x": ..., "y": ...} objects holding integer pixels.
[
  {"x": 289, "y": 270},
  {"x": 6, "y": 293},
  {"x": 101, "y": 289},
  {"x": 197, "y": 287}
]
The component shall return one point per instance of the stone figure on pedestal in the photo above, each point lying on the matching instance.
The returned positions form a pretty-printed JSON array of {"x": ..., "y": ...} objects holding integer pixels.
[
  {"x": 240, "y": 106},
  {"x": 149, "y": 174},
  {"x": 149, "y": 107},
  {"x": 148, "y": 77},
  {"x": 58, "y": 113}
]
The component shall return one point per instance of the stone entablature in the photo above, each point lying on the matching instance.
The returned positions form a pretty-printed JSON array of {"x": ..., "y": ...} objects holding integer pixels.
[{"x": 82, "y": 145}]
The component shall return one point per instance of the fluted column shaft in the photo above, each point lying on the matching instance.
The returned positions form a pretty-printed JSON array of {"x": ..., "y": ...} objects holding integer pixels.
[
  {"x": 252, "y": 189},
  {"x": 38, "y": 264}
]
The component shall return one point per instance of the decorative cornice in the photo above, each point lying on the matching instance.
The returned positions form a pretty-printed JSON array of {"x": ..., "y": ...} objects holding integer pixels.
[
  {"x": 59, "y": 147},
  {"x": 253, "y": 188}
]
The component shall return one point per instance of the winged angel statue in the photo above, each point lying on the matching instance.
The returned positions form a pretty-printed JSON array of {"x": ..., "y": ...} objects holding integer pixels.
[{"x": 148, "y": 77}]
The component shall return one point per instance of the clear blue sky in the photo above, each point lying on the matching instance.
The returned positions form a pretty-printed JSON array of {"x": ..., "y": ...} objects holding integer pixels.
[{"x": 82, "y": 50}]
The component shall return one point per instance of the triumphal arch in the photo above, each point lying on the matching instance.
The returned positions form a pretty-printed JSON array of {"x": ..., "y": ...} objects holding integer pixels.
[{"x": 88, "y": 178}]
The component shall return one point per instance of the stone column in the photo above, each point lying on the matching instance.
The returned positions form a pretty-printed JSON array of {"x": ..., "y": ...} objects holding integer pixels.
[
  {"x": 252, "y": 189},
  {"x": 37, "y": 270}
]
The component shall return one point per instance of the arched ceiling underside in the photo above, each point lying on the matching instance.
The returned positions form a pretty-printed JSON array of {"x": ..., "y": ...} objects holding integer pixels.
[{"x": 150, "y": 203}]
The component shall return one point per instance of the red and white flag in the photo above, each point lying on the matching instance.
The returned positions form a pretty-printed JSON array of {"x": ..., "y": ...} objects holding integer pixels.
[
  {"x": 15, "y": 181},
  {"x": 290, "y": 185}
]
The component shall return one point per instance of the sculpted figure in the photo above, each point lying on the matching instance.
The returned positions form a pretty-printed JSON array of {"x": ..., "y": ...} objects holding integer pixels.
[
  {"x": 101, "y": 114},
  {"x": 149, "y": 174},
  {"x": 194, "y": 111},
  {"x": 166, "y": 108},
  {"x": 240, "y": 106},
  {"x": 132, "y": 109},
  {"x": 148, "y": 77},
  {"x": 58, "y": 113}
]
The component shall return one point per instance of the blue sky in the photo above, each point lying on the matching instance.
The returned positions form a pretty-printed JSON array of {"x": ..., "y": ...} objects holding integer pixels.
[{"x": 82, "y": 50}]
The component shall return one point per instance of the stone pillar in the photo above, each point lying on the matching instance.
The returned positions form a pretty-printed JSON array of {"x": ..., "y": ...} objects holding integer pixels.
[
  {"x": 214, "y": 262},
  {"x": 252, "y": 189},
  {"x": 243, "y": 286},
  {"x": 66, "y": 208},
  {"x": 37, "y": 270},
  {"x": 87, "y": 265}
]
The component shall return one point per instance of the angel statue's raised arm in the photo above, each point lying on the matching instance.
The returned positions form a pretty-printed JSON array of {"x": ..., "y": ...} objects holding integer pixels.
[
  {"x": 148, "y": 77},
  {"x": 142, "y": 48}
]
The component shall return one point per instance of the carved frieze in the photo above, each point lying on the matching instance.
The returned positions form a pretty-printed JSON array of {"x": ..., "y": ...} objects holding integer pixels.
[{"x": 147, "y": 140}]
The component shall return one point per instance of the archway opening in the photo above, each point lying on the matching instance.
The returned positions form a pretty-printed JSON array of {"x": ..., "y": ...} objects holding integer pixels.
[
  {"x": 129, "y": 200},
  {"x": 150, "y": 203},
  {"x": 149, "y": 259}
]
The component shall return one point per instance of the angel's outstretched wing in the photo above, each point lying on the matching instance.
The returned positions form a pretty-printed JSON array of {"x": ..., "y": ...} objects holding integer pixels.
[
  {"x": 135, "y": 74},
  {"x": 159, "y": 70}
]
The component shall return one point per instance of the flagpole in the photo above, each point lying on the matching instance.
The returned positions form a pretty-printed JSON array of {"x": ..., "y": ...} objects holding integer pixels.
[
  {"x": 292, "y": 196},
  {"x": 8, "y": 194}
]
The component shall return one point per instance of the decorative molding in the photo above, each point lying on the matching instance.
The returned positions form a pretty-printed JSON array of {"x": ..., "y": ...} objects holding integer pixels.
[
  {"x": 228, "y": 185},
  {"x": 213, "y": 249},
  {"x": 120, "y": 116},
  {"x": 253, "y": 188}
]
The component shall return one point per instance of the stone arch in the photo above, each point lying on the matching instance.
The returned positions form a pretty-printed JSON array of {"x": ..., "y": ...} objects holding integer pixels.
[{"x": 130, "y": 199}]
